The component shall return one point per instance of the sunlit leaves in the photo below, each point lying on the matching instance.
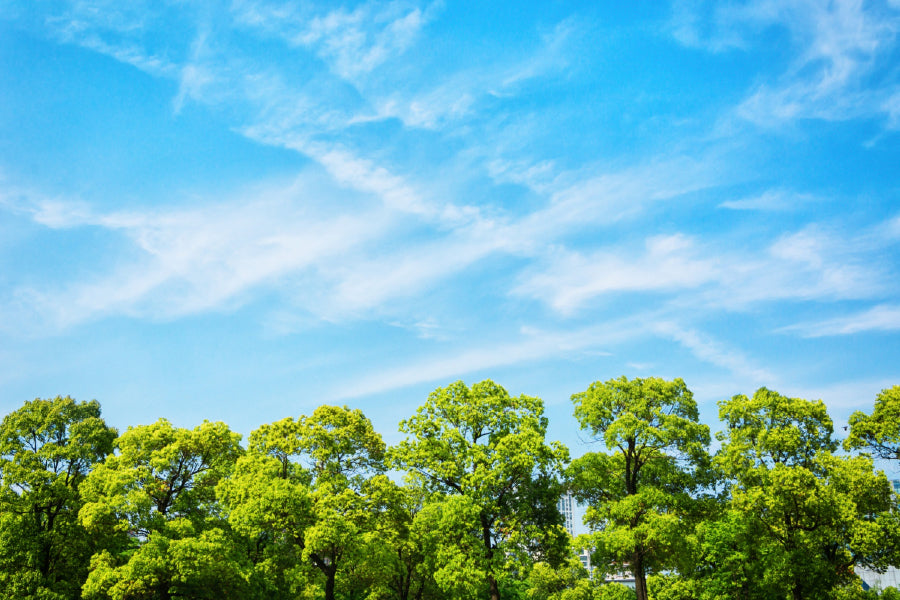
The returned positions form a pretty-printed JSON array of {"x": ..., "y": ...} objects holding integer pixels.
[
  {"x": 484, "y": 451},
  {"x": 879, "y": 433},
  {"x": 640, "y": 491},
  {"x": 47, "y": 449}
]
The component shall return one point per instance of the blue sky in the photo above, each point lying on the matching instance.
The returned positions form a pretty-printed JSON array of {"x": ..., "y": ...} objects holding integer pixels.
[{"x": 241, "y": 210}]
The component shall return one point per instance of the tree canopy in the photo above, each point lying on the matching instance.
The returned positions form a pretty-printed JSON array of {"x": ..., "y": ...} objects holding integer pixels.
[
  {"x": 814, "y": 515},
  {"x": 878, "y": 433},
  {"x": 641, "y": 490},
  {"x": 464, "y": 507},
  {"x": 154, "y": 500},
  {"x": 47, "y": 449},
  {"x": 484, "y": 452}
]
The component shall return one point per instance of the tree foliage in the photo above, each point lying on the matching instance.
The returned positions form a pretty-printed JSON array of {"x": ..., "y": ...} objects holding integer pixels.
[
  {"x": 484, "y": 453},
  {"x": 308, "y": 494},
  {"x": 879, "y": 433},
  {"x": 812, "y": 515},
  {"x": 640, "y": 492},
  {"x": 47, "y": 448},
  {"x": 309, "y": 511},
  {"x": 155, "y": 500}
]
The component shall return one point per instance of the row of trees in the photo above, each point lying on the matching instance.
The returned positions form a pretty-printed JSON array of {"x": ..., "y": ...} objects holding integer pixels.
[{"x": 312, "y": 508}]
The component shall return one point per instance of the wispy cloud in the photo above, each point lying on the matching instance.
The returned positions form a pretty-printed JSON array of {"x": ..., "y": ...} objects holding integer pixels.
[
  {"x": 777, "y": 200},
  {"x": 532, "y": 345},
  {"x": 352, "y": 251},
  {"x": 452, "y": 101},
  {"x": 117, "y": 30},
  {"x": 842, "y": 397},
  {"x": 669, "y": 263},
  {"x": 184, "y": 261},
  {"x": 810, "y": 264},
  {"x": 353, "y": 42},
  {"x": 584, "y": 197},
  {"x": 838, "y": 48},
  {"x": 356, "y": 42},
  {"x": 883, "y": 317},
  {"x": 714, "y": 352}
]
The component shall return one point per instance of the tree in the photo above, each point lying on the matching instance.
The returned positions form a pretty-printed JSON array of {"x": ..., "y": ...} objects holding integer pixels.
[
  {"x": 614, "y": 591},
  {"x": 269, "y": 503},
  {"x": 728, "y": 560},
  {"x": 156, "y": 499},
  {"x": 482, "y": 452},
  {"x": 813, "y": 515},
  {"x": 569, "y": 581},
  {"x": 404, "y": 528},
  {"x": 879, "y": 433},
  {"x": 47, "y": 448},
  {"x": 639, "y": 492},
  {"x": 302, "y": 492}
]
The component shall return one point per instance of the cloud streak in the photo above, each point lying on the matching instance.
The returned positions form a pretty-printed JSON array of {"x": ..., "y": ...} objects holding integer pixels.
[
  {"x": 809, "y": 264},
  {"x": 186, "y": 261},
  {"x": 529, "y": 347},
  {"x": 881, "y": 318},
  {"x": 840, "y": 50}
]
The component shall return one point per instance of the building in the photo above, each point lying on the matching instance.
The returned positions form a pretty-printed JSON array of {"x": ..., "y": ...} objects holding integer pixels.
[
  {"x": 566, "y": 507},
  {"x": 873, "y": 580}
]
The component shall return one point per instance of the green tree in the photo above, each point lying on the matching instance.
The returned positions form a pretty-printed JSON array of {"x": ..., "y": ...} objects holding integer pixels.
[
  {"x": 47, "y": 448},
  {"x": 879, "y": 433},
  {"x": 302, "y": 493},
  {"x": 482, "y": 452},
  {"x": 614, "y": 591},
  {"x": 640, "y": 491},
  {"x": 268, "y": 501},
  {"x": 157, "y": 496},
  {"x": 729, "y": 560},
  {"x": 812, "y": 515},
  {"x": 569, "y": 581},
  {"x": 404, "y": 528}
]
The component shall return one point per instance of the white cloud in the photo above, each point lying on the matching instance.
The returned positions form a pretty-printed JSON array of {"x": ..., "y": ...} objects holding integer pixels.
[
  {"x": 359, "y": 41},
  {"x": 810, "y": 264},
  {"x": 843, "y": 42},
  {"x": 837, "y": 47},
  {"x": 363, "y": 175},
  {"x": 585, "y": 198},
  {"x": 771, "y": 200},
  {"x": 115, "y": 29},
  {"x": 353, "y": 42},
  {"x": 371, "y": 283},
  {"x": 194, "y": 76},
  {"x": 532, "y": 346},
  {"x": 884, "y": 317},
  {"x": 339, "y": 253},
  {"x": 552, "y": 55},
  {"x": 535, "y": 345},
  {"x": 457, "y": 96},
  {"x": 714, "y": 352},
  {"x": 184, "y": 261},
  {"x": 891, "y": 106},
  {"x": 842, "y": 397},
  {"x": 571, "y": 280},
  {"x": 802, "y": 266}
]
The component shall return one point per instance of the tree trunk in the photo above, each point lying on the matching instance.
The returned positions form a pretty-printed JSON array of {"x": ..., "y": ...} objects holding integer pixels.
[
  {"x": 329, "y": 584},
  {"x": 486, "y": 533},
  {"x": 495, "y": 589},
  {"x": 640, "y": 578}
]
